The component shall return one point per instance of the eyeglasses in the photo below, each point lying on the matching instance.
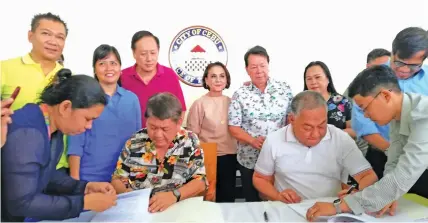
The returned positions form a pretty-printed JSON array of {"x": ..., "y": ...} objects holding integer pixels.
[
  {"x": 412, "y": 67},
  {"x": 368, "y": 105}
]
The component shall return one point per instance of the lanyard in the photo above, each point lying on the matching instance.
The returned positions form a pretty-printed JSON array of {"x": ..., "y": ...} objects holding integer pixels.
[{"x": 45, "y": 112}]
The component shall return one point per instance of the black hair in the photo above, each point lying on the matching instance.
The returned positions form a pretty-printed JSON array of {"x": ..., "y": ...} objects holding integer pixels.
[
  {"x": 410, "y": 41},
  {"x": 226, "y": 72},
  {"x": 330, "y": 87},
  {"x": 257, "y": 50},
  {"x": 82, "y": 90},
  {"x": 141, "y": 34},
  {"x": 35, "y": 22},
  {"x": 376, "y": 53},
  {"x": 102, "y": 52},
  {"x": 164, "y": 105},
  {"x": 371, "y": 79}
]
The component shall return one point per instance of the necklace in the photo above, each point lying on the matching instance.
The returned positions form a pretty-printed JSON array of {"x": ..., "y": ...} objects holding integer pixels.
[{"x": 45, "y": 112}]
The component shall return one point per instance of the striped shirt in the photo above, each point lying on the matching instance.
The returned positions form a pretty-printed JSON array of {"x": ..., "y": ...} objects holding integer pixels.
[{"x": 407, "y": 158}]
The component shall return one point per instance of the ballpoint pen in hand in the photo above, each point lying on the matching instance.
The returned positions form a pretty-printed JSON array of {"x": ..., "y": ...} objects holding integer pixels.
[
  {"x": 353, "y": 186},
  {"x": 345, "y": 192}
]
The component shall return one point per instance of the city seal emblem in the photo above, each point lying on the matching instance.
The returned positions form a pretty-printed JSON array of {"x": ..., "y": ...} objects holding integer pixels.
[{"x": 192, "y": 50}]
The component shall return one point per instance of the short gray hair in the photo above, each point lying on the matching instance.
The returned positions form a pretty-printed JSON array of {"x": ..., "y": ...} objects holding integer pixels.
[
  {"x": 164, "y": 106},
  {"x": 307, "y": 100}
]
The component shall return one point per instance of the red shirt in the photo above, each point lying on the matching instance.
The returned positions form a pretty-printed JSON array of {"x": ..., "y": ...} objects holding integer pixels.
[{"x": 165, "y": 80}]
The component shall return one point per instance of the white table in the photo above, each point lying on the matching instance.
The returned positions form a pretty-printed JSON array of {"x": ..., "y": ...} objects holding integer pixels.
[
  {"x": 239, "y": 212},
  {"x": 253, "y": 212},
  {"x": 280, "y": 212}
]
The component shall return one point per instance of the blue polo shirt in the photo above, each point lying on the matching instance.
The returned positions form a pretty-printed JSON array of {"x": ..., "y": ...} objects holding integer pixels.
[
  {"x": 99, "y": 147},
  {"x": 364, "y": 126}
]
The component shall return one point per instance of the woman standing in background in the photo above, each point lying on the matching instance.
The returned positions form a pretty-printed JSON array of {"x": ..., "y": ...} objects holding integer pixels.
[
  {"x": 317, "y": 77},
  {"x": 208, "y": 118},
  {"x": 93, "y": 154}
]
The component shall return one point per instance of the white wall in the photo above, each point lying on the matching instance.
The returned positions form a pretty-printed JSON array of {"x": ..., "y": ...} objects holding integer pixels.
[{"x": 340, "y": 33}]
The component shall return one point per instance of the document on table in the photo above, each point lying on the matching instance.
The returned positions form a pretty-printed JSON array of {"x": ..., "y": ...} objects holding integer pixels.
[
  {"x": 302, "y": 208},
  {"x": 190, "y": 210},
  {"x": 131, "y": 207},
  {"x": 406, "y": 211}
]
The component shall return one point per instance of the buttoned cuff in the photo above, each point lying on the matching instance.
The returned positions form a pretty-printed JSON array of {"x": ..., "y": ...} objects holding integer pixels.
[{"x": 353, "y": 204}]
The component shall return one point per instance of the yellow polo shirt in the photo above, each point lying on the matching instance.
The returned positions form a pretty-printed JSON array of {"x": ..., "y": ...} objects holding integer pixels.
[
  {"x": 24, "y": 72},
  {"x": 27, "y": 74}
]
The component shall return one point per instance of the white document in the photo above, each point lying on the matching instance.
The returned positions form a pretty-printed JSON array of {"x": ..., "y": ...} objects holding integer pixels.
[
  {"x": 302, "y": 208},
  {"x": 191, "y": 210},
  {"x": 406, "y": 211},
  {"x": 351, "y": 218},
  {"x": 131, "y": 207}
]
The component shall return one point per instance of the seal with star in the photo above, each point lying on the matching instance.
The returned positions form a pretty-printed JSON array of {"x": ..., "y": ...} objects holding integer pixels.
[{"x": 192, "y": 49}]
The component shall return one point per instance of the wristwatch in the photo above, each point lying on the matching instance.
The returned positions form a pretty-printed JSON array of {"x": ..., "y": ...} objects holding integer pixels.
[
  {"x": 177, "y": 194},
  {"x": 336, "y": 204}
]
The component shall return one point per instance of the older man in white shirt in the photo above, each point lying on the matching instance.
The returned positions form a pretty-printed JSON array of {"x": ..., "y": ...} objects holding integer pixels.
[{"x": 308, "y": 158}]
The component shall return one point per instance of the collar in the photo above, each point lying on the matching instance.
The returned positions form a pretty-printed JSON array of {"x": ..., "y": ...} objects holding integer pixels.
[
  {"x": 421, "y": 73},
  {"x": 289, "y": 135},
  {"x": 118, "y": 93},
  {"x": 268, "y": 84},
  {"x": 182, "y": 132},
  {"x": 26, "y": 59},
  {"x": 120, "y": 90},
  {"x": 159, "y": 70},
  {"x": 418, "y": 75},
  {"x": 45, "y": 112},
  {"x": 405, "y": 115}
]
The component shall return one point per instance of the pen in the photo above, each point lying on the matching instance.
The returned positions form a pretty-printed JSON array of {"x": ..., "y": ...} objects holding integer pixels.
[
  {"x": 353, "y": 186},
  {"x": 266, "y": 216}
]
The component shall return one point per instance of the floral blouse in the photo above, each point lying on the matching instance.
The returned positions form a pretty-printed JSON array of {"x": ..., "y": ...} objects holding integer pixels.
[
  {"x": 138, "y": 167},
  {"x": 339, "y": 110},
  {"x": 258, "y": 114}
]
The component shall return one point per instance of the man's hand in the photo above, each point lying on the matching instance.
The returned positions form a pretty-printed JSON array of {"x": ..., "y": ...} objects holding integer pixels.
[
  {"x": 5, "y": 118},
  {"x": 320, "y": 209},
  {"x": 161, "y": 201},
  {"x": 390, "y": 208},
  {"x": 99, "y": 187},
  {"x": 99, "y": 202},
  {"x": 289, "y": 196},
  {"x": 258, "y": 142}
]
